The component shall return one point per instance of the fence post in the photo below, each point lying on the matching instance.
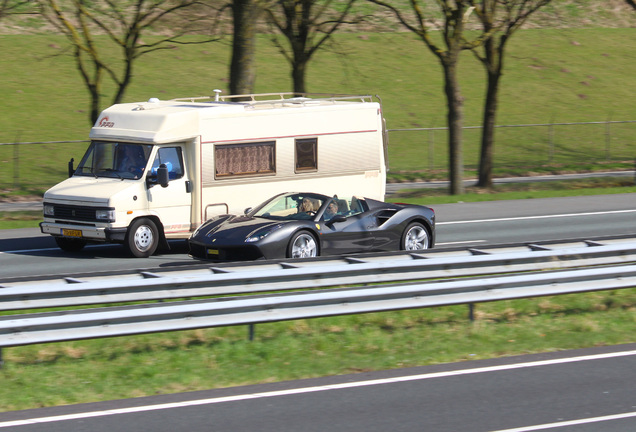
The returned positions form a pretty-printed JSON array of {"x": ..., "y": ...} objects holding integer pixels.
[
  {"x": 608, "y": 135},
  {"x": 16, "y": 165}
]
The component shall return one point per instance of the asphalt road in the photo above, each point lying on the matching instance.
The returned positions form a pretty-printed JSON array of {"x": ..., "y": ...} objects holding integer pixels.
[
  {"x": 26, "y": 252},
  {"x": 584, "y": 391}
]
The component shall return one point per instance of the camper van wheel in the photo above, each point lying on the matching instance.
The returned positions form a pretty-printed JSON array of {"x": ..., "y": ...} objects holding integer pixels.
[
  {"x": 302, "y": 245},
  {"x": 70, "y": 244},
  {"x": 142, "y": 238}
]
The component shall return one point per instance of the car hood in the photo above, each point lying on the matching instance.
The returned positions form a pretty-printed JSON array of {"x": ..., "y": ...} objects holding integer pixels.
[{"x": 234, "y": 228}]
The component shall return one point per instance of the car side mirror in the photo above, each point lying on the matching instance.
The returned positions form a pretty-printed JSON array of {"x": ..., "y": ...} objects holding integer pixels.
[
  {"x": 336, "y": 218},
  {"x": 162, "y": 175},
  {"x": 247, "y": 210}
]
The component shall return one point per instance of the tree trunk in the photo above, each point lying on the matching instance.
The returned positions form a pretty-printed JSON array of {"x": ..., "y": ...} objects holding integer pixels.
[
  {"x": 242, "y": 69},
  {"x": 494, "y": 67},
  {"x": 488, "y": 131},
  {"x": 94, "y": 103},
  {"x": 298, "y": 76},
  {"x": 455, "y": 118}
]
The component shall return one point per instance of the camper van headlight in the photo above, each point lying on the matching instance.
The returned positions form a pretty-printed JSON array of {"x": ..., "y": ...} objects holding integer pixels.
[
  {"x": 49, "y": 210},
  {"x": 106, "y": 215},
  {"x": 261, "y": 233}
]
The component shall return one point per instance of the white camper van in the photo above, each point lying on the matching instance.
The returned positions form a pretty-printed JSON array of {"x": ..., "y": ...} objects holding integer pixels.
[{"x": 156, "y": 170}]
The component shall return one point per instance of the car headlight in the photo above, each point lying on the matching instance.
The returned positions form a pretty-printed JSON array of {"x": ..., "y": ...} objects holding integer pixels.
[
  {"x": 105, "y": 215},
  {"x": 49, "y": 210},
  {"x": 261, "y": 233}
]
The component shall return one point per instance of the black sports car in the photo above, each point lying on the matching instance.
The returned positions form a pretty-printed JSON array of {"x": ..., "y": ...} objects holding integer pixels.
[{"x": 301, "y": 225}]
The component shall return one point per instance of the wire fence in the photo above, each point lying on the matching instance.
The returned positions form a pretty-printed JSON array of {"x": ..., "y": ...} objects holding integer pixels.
[
  {"x": 518, "y": 145},
  {"x": 32, "y": 167}
]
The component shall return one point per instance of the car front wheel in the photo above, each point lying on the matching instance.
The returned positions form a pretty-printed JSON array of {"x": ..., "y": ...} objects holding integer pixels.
[
  {"x": 415, "y": 237},
  {"x": 302, "y": 245},
  {"x": 142, "y": 238}
]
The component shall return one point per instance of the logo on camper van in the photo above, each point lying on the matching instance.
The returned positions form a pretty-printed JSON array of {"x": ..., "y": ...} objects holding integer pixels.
[{"x": 105, "y": 123}]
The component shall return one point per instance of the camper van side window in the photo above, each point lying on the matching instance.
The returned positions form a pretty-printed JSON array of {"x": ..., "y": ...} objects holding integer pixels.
[
  {"x": 245, "y": 159},
  {"x": 172, "y": 158},
  {"x": 306, "y": 154}
]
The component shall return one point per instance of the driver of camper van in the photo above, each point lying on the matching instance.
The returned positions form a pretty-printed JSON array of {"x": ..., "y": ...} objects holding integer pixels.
[{"x": 131, "y": 159}]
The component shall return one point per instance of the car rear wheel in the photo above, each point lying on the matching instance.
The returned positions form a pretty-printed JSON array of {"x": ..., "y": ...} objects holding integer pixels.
[
  {"x": 302, "y": 245},
  {"x": 142, "y": 238},
  {"x": 415, "y": 237}
]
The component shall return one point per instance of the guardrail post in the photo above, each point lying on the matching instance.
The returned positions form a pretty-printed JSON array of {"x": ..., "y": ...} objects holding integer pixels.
[
  {"x": 471, "y": 312},
  {"x": 251, "y": 332},
  {"x": 1, "y": 359}
]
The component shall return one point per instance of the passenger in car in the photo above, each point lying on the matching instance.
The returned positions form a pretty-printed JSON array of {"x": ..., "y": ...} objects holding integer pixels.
[{"x": 308, "y": 205}]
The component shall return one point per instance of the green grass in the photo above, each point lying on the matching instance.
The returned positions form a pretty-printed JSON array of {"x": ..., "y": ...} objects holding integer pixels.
[
  {"x": 514, "y": 191},
  {"x": 105, "y": 369},
  {"x": 551, "y": 76}
]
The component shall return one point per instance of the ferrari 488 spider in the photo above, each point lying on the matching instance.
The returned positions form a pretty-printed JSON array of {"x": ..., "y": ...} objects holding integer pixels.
[{"x": 302, "y": 225}]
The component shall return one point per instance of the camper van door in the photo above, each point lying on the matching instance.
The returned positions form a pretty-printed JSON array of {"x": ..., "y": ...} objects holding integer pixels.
[{"x": 173, "y": 203}]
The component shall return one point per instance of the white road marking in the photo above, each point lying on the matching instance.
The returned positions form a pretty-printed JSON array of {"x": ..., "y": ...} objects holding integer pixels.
[
  {"x": 536, "y": 217},
  {"x": 460, "y": 242},
  {"x": 570, "y": 423},
  {"x": 302, "y": 390}
]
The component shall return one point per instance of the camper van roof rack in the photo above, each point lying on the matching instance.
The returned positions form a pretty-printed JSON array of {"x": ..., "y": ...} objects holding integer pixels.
[{"x": 274, "y": 99}]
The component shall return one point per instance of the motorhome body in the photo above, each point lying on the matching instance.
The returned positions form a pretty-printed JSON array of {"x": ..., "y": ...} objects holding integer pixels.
[{"x": 191, "y": 159}]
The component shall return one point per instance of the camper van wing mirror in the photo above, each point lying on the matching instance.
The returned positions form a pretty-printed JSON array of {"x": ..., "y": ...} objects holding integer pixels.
[
  {"x": 162, "y": 175},
  {"x": 71, "y": 170}
]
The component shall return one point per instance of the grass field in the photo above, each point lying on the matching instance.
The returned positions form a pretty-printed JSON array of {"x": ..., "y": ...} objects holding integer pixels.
[
  {"x": 552, "y": 76},
  {"x": 106, "y": 369}
]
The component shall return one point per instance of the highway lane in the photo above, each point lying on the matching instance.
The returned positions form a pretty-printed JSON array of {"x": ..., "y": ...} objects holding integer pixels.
[
  {"x": 27, "y": 252},
  {"x": 582, "y": 390}
]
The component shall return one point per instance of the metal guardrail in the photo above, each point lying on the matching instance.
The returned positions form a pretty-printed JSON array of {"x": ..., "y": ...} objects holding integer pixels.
[
  {"x": 591, "y": 268},
  {"x": 216, "y": 281}
]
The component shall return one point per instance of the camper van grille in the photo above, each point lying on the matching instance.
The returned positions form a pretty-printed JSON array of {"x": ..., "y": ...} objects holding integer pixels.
[{"x": 75, "y": 213}]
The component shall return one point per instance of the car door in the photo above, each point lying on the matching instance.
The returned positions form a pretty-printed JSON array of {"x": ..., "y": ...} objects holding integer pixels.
[{"x": 345, "y": 234}]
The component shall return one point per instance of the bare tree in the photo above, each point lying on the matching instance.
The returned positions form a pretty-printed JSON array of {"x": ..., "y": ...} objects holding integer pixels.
[
  {"x": 500, "y": 19},
  {"x": 452, "y": 33},
  {"x": 307, "y": 25},
  {"x": 123, "y": 22},
  {"x": 15, "y": 7}
]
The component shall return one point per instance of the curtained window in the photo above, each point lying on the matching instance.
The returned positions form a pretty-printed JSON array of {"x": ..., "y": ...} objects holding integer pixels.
[{"x": 245, "y": 159}]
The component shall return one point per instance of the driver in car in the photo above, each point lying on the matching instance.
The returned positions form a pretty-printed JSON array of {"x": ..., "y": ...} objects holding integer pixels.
[{"x": 331, "y": 210}]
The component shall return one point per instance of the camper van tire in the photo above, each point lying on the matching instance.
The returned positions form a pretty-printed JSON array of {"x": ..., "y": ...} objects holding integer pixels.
[
  {"x": 302, "y": 245},
  {"x": 70, "y": 244},
  {"x": 142, "y": 238}
]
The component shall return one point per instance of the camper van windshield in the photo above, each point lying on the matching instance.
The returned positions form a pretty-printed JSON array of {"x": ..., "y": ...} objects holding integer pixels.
[{"x": 113, "y": 159}]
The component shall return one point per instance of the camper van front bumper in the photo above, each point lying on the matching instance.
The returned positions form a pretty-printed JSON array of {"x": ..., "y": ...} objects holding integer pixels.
[{"x": 84, "y": 232}]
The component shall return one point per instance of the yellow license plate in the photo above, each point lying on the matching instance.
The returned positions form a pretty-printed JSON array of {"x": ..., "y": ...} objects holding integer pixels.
[
  {"x": 71, "y": 233},
  {"x": 213, "y": 251}
]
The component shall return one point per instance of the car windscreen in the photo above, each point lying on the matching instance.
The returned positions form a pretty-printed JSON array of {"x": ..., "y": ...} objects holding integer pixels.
[{"x": 291, "y": 207}]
